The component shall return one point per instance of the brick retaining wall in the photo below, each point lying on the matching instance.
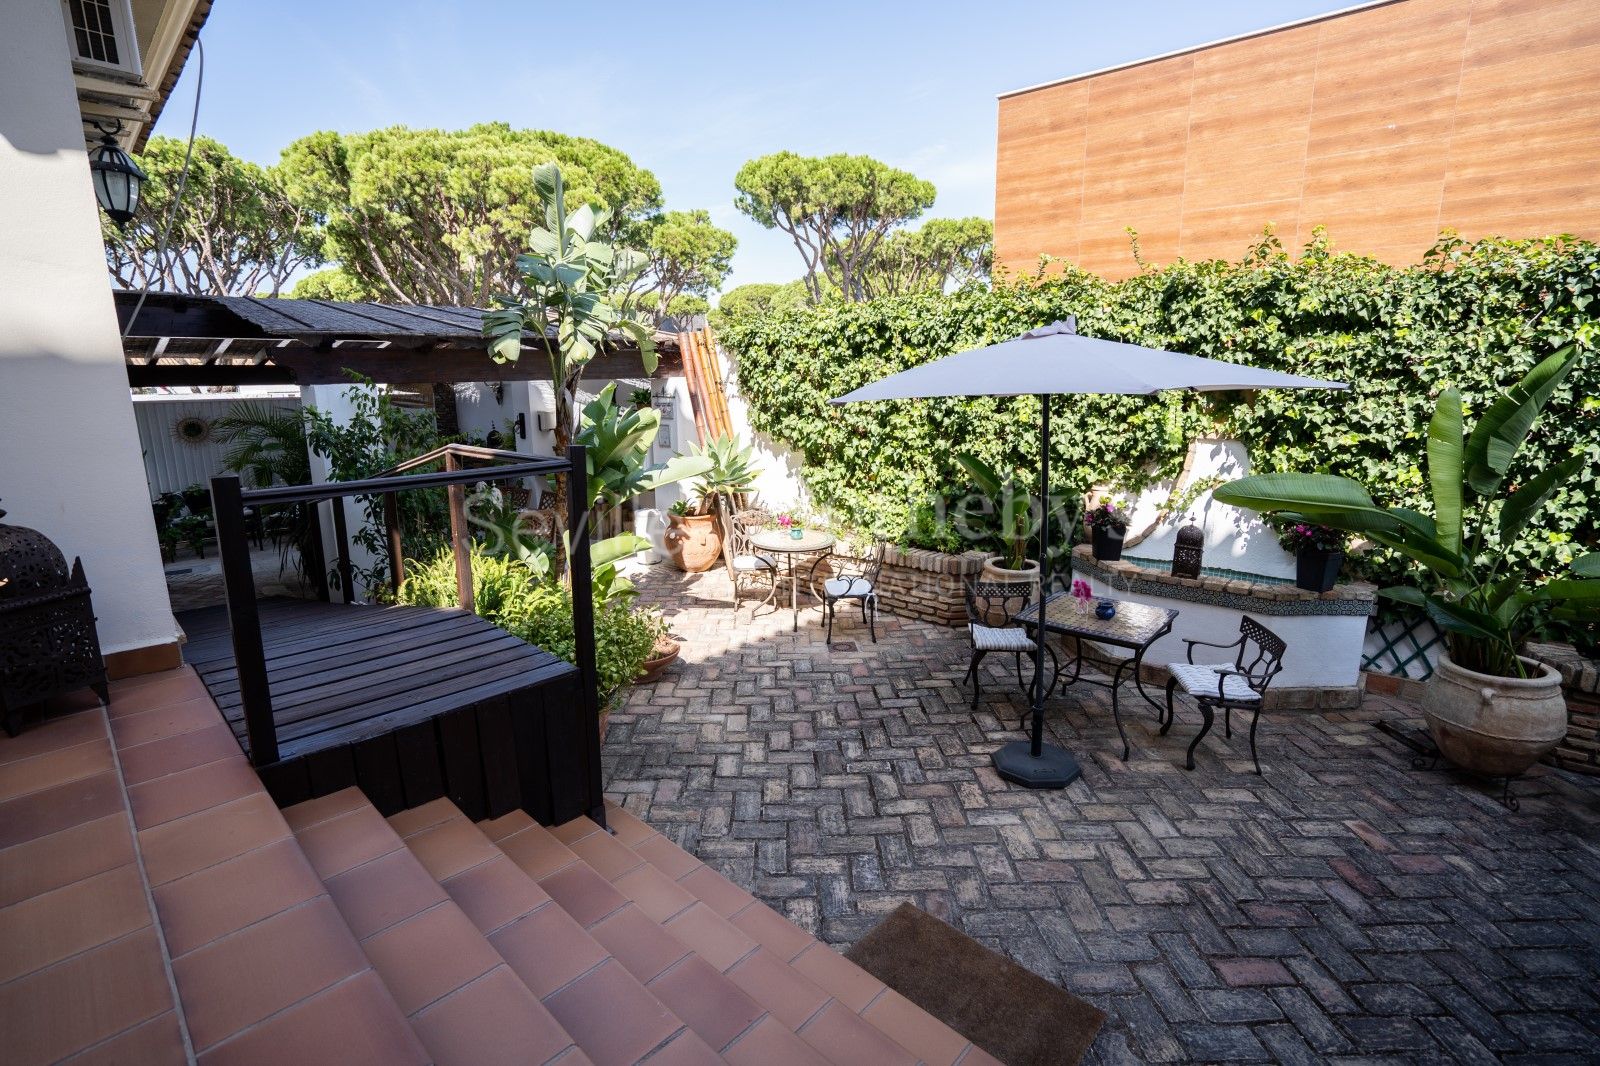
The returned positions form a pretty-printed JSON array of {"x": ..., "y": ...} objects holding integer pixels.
[{"x": 927, "y": 585}]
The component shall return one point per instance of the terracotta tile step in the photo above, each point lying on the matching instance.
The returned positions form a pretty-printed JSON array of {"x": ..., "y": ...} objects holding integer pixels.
[
  {"x": 599, "y": 999},
  {"x": 463, "y": 1002}
]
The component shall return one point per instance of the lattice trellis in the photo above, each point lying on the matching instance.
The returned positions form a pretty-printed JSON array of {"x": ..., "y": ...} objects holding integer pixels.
[{"x": 1405, "y": 645}]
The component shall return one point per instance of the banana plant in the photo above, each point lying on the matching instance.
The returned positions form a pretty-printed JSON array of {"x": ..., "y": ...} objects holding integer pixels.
[
  {"x": 1486, "y": 607},
  {"x": 1012, "y": 505}
]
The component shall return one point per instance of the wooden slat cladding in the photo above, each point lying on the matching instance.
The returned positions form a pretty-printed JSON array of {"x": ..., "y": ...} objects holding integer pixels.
[{"x": 1383, "y": 125}]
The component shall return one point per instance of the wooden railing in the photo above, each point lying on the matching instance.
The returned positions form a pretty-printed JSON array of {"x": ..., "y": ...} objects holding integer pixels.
[{"x": 229, "y": 500}]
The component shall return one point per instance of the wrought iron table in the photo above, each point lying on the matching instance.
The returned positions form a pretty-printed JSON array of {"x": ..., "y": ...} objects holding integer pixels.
[
  {"x": 779, "y": 542},
  {"x": 1135, "y": 626}
]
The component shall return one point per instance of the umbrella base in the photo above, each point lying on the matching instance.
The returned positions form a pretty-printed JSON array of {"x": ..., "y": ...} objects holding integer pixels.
[{"x": 1052, "y": 768}]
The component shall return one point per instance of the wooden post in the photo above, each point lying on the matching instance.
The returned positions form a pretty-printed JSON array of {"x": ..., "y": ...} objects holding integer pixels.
[
  {"x": 341, "y": 536},
  {"x": 460, "y": 540},
  {"x": 580, "y": 574},
  {"x": 391, "y": 525},
  {"x": 692, "y": 380},
  {"x": 244, "y": 621},
  {"x": 318, "y": 563}
]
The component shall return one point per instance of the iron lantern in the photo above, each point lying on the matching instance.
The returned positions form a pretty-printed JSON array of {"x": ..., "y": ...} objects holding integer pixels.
[{"x": 118, "y": 181}]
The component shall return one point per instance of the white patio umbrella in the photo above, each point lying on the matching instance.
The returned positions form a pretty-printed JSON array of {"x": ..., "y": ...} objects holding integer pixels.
[{"x": 1045, "y": 362}]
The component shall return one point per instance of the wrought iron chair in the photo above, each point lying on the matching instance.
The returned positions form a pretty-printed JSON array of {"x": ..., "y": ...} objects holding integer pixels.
[
  {"x": 744, "y": 563},
  {"x": 992, "y": 608},
  {"x": 1241, "y": 685},
  {"x": 853, "y": 579}
]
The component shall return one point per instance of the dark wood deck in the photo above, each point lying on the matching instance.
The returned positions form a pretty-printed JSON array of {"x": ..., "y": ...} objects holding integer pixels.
[{"x": 409, "y": 703}]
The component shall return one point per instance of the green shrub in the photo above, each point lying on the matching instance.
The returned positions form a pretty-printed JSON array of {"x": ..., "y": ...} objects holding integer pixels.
[
  {"x": 508, "y": 594},
  {"x": 1477, "y": 316}
]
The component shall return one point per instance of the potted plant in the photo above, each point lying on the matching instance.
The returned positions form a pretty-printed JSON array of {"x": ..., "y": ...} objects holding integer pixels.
[
  {"x": 1318, "y": 554},
  {"x": 197, "y": 498},
  {"x": 1488, "y": 707},
  {"x": 1008, "y": 514},
  {"x": 694, "y": 538},
  {"x": 1107, "y": 524},
  {"x": 662, "y": 655},
  {"x": 169, "y": 537}
]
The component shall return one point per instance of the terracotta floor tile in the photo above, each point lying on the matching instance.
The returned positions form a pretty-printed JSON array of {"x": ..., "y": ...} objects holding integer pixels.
[
  {"x": 719, "y": 893},
  {"x": 323, "y": 808},
  {"x": 537, "y": 852},
  {"x": 706, "y": 1000},
  {"x": 547, "y": 949},
  {"x": 914, "y": 1029},
  {"x": 84, "y": 1000},
  {"x": 627, "y": 828},
  {"x": 582, "y": 893},
  {"x": 686, "y": 1049},
  {"x": 429, "y": 956},
  {"x": 711, "y": 936},
  {"x": 184, "y": 845},
  {"x": 176, "y": 687},
  {"x": 611, "y": 1015},
  {"x": 837, "y": 975},
  {"x": 606, "y": 855},
  {"x": 62, "y": 858},
  {"x": 225, "y": 898},
  {"x": 353, "y": 838},
  {"x": 155, "y": 1043},
  {"x": 657, "y": 895},
  {"x": 147, "y": 762},
  {"x": 167, "y": 720},
  {"x": 240, "y": 979},
  {"x": 493, "y": 1020},
  {"x": 666, "y": 856},
  {"x": 790, "y": 995},
  {"x": 495, "y": 893},
  {"x": 53, "y": 735},
  {"x": 770, "y": 1044},
  {"x": 775, "y": 932},
  {"x": 571, "y": 832},
  {"x": 176, "y": 795},
  {"x": 451, "y": 847},
  {"x": 844, "y": 1038},
  {"x": 42, "y": 931},
  {"x": 419, "y": 818},
  {"x": 128, "y": 684},
  {"x": 642, "y": 946},
  {"x": 511, "y": 822},
  {"x": 51, "y": 810},
  {"x": 386, "y": 890},
  {"x": 55, "y": 768},
  {"x": 355, "y": 1023}
]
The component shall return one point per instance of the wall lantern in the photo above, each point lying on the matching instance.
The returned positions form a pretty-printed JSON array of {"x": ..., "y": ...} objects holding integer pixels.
[{"x": 117, "y": 178}]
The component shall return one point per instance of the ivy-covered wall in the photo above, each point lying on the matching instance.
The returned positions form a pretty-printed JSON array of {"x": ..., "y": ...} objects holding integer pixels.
[{"x": 1473, "y": 315}]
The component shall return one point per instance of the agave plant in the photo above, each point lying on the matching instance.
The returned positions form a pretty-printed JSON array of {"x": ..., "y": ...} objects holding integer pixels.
[
  {"x": 1012, "y": 507},
  {"x": 1475, "y": 593},
  {"x": 730, "y": 470}
]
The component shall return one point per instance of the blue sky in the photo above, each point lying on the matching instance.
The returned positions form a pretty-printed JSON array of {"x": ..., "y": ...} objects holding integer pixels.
[{"x": 689, "y": 90}]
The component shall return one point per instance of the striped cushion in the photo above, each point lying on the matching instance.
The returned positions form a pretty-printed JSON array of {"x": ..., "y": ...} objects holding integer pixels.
[
  {"x": 1201, "y": 680},
  {"x": 990, "y": 638},
  {"x": 754, "y": 562},
  {"x": 847, "y": 587}
]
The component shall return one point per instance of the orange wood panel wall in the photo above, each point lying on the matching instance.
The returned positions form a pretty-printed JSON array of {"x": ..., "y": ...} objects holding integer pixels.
[{"x": 1385, "y": 125}]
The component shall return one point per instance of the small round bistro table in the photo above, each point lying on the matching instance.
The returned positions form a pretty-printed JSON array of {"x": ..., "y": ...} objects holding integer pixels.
[{"x": 780, "y": 542}]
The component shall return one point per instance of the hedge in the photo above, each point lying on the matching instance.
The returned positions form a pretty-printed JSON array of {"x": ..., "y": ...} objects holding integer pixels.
[{"x": 1475, "y": 315}]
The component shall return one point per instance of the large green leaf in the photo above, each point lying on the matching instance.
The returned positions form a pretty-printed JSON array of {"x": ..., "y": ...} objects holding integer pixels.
[
  {"x": 1444, "y": 467},
  {"x": 1587, "y": 565},
  {"x": 678, "y": 468},
  {"x": 1322, "y": 498},
  {"x": 615, "y": 548},
  {"x": 1523, "y": 504},
  {"x": 984, "y": 476},
  {"x": 1505, "y": 425}
]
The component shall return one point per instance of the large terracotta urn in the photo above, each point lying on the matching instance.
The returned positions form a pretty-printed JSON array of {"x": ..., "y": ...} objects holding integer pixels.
[
  {"x": 993, "y": 571},
  {"x": 1494, "y": 725},
  {"x": 694, "y": 544}
]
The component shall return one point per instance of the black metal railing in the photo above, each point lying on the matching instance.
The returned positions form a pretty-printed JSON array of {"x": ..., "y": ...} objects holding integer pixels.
[{"x": 230, "y": 498}]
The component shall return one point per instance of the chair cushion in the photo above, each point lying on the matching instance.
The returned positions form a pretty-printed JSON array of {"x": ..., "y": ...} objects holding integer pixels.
[
  {"x": 754, "y": 562},
  {"x": 1201, "y": 680},
  {"x": 991, "y": 638},
  {"x": 840, "y": 588}
]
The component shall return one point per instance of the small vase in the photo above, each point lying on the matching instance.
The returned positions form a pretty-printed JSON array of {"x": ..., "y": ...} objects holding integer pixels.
[
  {"x": 796, "y": 533},
  {"x": 1106, "y": 542},
  {"x": 1105, "y": 610}
]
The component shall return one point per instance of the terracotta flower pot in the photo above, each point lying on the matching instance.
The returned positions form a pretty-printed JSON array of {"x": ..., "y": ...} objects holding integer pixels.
[
  {"x": 993, "y": 571},
  {"x": 661, "y": 657},
  {"x": 1494, "y": 725},
  {"x": 694, "y": 544}
]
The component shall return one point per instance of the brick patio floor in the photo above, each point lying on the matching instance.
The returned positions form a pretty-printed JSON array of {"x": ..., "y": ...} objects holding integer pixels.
[{"x": 1342, "y": 908}]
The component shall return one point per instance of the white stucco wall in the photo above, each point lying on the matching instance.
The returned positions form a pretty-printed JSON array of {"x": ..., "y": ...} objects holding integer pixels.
[
  {"x": 335, "y": 402},
  {"x": 69, "y": 452},
  {"x": 172, "y": 465}
]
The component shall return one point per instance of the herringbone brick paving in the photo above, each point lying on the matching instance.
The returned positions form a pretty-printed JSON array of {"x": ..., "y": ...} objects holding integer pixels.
[{"x": 1341, "y": 908}]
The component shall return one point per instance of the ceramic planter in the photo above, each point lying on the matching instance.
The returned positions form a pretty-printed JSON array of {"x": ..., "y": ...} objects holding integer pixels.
[
  {"x": 1494, "y": 725},
  {"x": 993, "y": 571},
  {"x": 1107, "y": 542},
  {"x": 1316, "y": 570},
  {"x": 694, "y": 544},
  {"x": 662, "y": 656}
]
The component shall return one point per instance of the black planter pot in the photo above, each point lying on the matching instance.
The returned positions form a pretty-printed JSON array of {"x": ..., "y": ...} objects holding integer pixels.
[
  {"x": 1106, "y": 542},
  {"x": 198, "y": 501},
  {"x": 1316, "y": 570}
]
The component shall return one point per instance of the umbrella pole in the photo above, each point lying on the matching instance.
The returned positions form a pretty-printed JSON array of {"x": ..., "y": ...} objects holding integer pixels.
[{"x": 1036, "y": 764}]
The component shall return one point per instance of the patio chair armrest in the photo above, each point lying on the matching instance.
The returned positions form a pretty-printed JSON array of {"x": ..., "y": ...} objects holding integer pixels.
[
  {"x": 1190, "y": 645},
  {"x": 1225, "y": 672}
]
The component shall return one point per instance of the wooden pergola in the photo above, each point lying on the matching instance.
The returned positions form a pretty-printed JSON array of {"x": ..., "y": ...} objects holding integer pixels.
[{"x": 181, "y": 340}]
